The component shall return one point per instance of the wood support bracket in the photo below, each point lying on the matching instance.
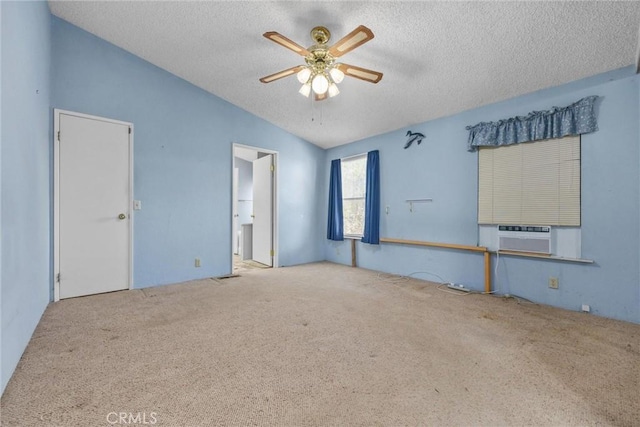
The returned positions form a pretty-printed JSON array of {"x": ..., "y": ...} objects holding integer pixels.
[{"x": 353, "y": 253}]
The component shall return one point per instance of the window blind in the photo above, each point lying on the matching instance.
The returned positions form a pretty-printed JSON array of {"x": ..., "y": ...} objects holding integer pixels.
[{"x": 535, "y": 183}]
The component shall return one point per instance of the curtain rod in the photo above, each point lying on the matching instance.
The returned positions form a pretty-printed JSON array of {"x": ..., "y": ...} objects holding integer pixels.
[{"x": 353, "y": 157}]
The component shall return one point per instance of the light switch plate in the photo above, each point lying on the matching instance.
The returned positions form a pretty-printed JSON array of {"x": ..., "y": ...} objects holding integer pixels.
[{"x": 137, "y": 205}]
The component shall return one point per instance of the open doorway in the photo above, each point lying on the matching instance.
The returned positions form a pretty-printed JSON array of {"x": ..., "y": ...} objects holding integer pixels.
[{"x": 254, "y": 214}]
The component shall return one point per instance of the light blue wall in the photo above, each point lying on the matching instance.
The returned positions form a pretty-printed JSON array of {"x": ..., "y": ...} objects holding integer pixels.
[
  {"x": 2, "y": 368},
  {"x": 25, "y": 260},
  {"x": 442, "y": 169},
  {"x": 182, "y": 159}
]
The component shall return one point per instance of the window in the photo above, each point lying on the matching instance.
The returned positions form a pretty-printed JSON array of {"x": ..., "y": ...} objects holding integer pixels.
[
  {"x": 534, "y": 183},
  {"x": 354, "y": 173}
]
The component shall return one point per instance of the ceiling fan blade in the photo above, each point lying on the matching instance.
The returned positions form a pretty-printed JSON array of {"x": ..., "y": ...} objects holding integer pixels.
[
  {"x": 360, "y": 73},
  {"x": 289, "y": 44},
  {"x": 355, "y": 38},
  {"x": 282, "y": 74}
]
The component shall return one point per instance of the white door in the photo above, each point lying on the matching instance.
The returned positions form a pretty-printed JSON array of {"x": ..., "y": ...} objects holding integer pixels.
[
  {"x": 263, "y": 210},
  {"x": 93, "y": 205}
]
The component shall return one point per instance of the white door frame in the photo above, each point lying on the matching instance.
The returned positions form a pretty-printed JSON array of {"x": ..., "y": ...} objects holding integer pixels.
[
  {"x": 234, "y": 202},
  {"x": 274, "y": 202},
  {"x": 56, "y": 193}
]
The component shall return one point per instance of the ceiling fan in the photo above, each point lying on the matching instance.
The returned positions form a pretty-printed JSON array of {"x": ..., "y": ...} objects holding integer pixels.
[{"x": 322, "y": 73}]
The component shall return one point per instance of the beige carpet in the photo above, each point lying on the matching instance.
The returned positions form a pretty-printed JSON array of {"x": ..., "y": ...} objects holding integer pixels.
[{"x": 322, "y": 344}]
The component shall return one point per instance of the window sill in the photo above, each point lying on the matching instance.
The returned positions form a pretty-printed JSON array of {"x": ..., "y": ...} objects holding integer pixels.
[
  {"x": 352, "y": 237},
  {"x": 549, "y": 257}
]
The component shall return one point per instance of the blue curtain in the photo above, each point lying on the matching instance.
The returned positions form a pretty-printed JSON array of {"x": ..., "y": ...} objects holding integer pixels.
[
  {"x": 575, "y": 119},
  {"x": 335, "y": 228},
  {"x": 372, "y": 200}
]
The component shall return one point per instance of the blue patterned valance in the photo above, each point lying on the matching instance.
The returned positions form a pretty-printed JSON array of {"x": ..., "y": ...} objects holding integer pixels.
[{"x": 575, "y": 119}]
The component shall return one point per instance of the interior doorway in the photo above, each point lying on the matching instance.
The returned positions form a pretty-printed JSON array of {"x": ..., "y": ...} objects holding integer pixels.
[{"x": 254, "y": 213}]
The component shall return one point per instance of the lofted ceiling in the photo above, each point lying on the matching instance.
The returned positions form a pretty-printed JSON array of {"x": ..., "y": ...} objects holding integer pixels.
[{"x": 438, "y": 58}]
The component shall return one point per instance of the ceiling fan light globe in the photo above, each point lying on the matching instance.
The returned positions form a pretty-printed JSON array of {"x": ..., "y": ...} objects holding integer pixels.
[
  {"x": 303, "y": 75},
  {"x": 333, "y": 90},
  {"x": 305, "y": 90},
  {"x": 320, "y": 84},
  {"x": 336, "y": 75}
]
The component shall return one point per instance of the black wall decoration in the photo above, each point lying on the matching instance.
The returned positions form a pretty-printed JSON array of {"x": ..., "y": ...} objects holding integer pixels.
[{"x": 413, "y": 137}]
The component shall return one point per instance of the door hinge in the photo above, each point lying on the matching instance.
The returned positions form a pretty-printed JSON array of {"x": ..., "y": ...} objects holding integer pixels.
[
  {"x": 58, "y": 278},
  {"x": 272, "y": 168},
  {"x": 129, "y": 131},
  {"x": 272, "y": 252},
  {"x": 58, "y": 135}
]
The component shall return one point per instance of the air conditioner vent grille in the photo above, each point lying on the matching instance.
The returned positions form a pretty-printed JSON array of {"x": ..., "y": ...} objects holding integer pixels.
[{"x": 524, "y": 238}]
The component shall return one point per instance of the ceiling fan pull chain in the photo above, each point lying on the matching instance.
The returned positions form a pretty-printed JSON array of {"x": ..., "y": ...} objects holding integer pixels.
[
  {"x": 317, "y": 111},
  {"x": 313, "y": 109}
]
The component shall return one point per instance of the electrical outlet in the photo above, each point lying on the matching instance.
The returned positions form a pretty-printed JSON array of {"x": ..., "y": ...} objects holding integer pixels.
[
  {"x": 197, "y": 262},
  {"x": 553, "y": 282}
]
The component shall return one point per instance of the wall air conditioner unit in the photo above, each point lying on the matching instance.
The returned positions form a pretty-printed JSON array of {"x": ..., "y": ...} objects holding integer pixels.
[{"x": 524, "y": 238}]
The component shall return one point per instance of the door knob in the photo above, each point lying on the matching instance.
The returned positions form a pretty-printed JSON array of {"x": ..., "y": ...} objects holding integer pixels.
[{"x": 122, "y": 216}]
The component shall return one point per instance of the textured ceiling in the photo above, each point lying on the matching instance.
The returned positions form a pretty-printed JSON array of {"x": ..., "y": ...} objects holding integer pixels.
[{"x": 438, "y": 58}]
